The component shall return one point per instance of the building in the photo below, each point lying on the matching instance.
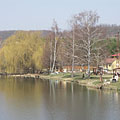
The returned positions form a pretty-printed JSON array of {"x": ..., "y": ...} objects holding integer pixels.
[
  {"x": 112, "y": 63},
  {"x": 76, "y": 68}
]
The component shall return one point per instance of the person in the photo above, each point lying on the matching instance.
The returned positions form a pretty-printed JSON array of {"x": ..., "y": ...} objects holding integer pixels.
[
  {"x": 116, "y": 77},
  {"x": 114, "y": 80},
  {"x": 83, "y": 76},
  {"x": 101, "y": 73}
]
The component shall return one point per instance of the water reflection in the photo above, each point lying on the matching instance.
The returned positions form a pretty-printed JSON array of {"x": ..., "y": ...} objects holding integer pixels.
[{"x": 30, "y": 99}]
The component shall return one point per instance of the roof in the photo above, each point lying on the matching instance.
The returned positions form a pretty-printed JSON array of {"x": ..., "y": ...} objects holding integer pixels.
[
  {"x": 116, "y": 68},
  {"x": 109, "y": 60},
  {"x": 118, "y": 54}
]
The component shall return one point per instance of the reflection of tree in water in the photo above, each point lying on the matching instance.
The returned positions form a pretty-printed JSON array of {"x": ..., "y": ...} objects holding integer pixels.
[
  {"x": 60, "y": 100},
  {"x": 20, "y": 89},
  {"x": 22, "y": 97},
  {"x": 54, "y": 100}
]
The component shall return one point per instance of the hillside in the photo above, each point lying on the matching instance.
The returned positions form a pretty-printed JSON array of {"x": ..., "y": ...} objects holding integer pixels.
[
  {"x": 6, "y": 34},
  {"x": 111, "y": 30}
]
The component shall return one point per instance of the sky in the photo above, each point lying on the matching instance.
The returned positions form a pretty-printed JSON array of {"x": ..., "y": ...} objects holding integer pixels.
[{"x": 39, "y": 14}]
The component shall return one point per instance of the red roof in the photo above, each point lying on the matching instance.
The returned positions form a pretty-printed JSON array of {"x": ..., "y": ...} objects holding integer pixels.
[
  {"x": 118, "y": 54},
  {"x": 109, "y": 60}
]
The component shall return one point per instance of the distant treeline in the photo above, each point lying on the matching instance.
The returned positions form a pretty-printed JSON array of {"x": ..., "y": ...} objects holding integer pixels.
[
  {"x": 26, "y": 52},
  {"x": 85, "y": 44}
]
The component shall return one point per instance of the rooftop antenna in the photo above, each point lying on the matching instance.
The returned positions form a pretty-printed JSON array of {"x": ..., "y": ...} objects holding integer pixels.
[
  {"x": 117, "y": 49},
  {"x": 117, "y": 43}
]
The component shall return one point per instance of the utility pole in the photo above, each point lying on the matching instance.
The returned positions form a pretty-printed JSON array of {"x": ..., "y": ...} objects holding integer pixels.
[
  {"x": 73, "y": 50},
  {"x": 117, "y": 42},
  {"x": 117, "y": 48},
  {"x": 0, "y": 41}
]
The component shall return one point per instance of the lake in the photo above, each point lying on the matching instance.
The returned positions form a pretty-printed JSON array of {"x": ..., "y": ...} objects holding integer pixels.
[{"x": 35, "y": 99}]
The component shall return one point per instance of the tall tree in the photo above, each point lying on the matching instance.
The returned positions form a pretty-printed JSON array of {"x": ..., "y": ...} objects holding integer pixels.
[
  {"x": 55, "y": 31},
  {"x": 70, "y": 48},
  {"x": 89, "y": 34}
]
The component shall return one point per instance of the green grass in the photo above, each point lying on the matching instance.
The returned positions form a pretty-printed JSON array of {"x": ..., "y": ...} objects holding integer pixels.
[
  {"x": 94, "y": 79},
  {"x": 116, "y": 84},
  {"x": 97, "y": 82},
  {"x": 66, "y": 75},
  {"x": 79, "y": 76}
]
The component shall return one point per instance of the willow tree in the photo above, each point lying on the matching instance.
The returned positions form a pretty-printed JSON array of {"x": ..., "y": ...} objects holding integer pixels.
[{"x": 21, "y": 52}]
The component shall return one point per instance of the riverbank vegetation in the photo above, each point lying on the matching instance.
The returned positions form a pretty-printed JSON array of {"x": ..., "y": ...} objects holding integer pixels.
[
  {"x": 93, "y": 82},
  {"x": 85, "y": 44}
]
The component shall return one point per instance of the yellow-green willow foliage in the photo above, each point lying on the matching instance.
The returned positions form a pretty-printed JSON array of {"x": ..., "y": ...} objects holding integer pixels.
[{"x": 22, "y": 52}]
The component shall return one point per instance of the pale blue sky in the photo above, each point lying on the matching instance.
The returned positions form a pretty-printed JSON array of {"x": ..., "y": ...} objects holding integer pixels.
[{"x": 39, "y": 14}]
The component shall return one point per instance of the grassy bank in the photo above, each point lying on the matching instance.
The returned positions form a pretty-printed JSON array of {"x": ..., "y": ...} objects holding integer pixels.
[{"x": 93, "y": 81}]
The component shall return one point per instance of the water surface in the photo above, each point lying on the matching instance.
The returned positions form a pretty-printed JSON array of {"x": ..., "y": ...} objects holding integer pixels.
[{"x": 30, "y": 99}]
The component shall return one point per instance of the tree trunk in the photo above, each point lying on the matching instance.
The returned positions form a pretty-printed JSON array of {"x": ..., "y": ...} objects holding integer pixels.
[
  {"x": 54, "y": 57},
  {"x": 51, "y": 56}
]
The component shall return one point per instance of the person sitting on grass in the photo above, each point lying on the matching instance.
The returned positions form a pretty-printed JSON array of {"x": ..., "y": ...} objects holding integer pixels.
[{"x": 116, "y": 77}]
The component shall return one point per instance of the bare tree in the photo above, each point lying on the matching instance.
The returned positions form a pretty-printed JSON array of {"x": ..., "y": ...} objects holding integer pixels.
[
  {"x": 88, "y": 35},
  {"x": 69, "y": 50},
  {"x": 53, "y": 45},
  {"x": 51, "y": 51}
]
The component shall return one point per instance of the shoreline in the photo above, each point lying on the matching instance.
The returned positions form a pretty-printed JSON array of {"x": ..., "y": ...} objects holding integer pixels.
[{"x": 87, "y": 82}]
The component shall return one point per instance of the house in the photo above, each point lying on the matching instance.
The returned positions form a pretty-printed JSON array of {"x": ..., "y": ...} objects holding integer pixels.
[
  {"x": 108, "y": 63},
  {"x": 113, "y": 62},
  {"x": 76, "y": 68}
]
